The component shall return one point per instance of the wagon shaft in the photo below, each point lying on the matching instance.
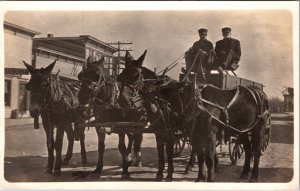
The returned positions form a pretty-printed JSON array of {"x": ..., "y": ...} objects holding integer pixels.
[{"x": 115, "y": 124}]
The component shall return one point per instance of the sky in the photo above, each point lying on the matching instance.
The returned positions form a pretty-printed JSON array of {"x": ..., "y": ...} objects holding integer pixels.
[{"x": 266, "y": 36}]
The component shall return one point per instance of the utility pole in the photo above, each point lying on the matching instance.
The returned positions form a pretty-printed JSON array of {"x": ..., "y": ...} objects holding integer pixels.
[{"x": 116, "y": 66}]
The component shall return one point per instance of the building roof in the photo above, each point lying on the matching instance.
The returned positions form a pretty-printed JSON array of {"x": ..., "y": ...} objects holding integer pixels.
[
  {"x": 85, "y": 38},
  {"x": 18, "y": 28}
]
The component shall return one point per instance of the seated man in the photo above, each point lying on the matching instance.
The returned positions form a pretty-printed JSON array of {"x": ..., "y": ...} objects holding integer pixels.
[
  {"x": 228, "y": 52},
  {"x": 206, "y": 50}
]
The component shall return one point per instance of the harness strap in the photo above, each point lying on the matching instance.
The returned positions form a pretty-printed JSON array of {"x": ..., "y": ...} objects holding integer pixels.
[
  {"x": 253, "y": 96},
  {"x": 234, "y": 98}
]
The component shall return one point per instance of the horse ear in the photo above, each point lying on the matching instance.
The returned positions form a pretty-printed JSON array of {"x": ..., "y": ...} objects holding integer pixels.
[
  {"x": 127, "y": 59},
  {"x": 49, "y": 68},
  {"x": 140, "y": 60},
  {"x": 29, "y": 67},
  {"x": 127, "y": 56}
]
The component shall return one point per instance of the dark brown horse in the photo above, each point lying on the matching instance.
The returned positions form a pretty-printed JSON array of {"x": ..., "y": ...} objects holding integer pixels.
[
  {"x": 98, "y": 92},
  {"x": 242, "y": 111},
  {"x": 138, "y": 81},
  {"x": 56, "y": 101}
]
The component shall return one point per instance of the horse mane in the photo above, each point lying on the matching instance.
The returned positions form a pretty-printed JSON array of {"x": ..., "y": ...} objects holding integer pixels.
[
  {"x": 63, "y": 94},
  {"x": 107, "y": 76}
]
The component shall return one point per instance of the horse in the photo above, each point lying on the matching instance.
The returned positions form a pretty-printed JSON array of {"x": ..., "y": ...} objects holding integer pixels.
[
  {"x": 55, "y": 101},
  {"x": 99, "y": 92},
  {"x": 242, "y": 112},
  {"x": 139, "y": 81}
]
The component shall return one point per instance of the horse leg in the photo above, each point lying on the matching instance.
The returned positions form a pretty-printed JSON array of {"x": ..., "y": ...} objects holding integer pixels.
[
  {"x": 101, "y": 147},
  {"x": 248, "y": 150},
  {"x": 70, "y": 136},
  {"x": 216, "y": 166},
  {"x": 129, "y": 148},
  {"x": 58, "y": 149},
  {"x": 161, "y": 158},
  {"x": 257, "y": 142},
  {"x": 170, "y": 153},
  {"x": 200, "y": 155},
  {"x": 210, "y": 151},
  {"x": 138, "y": 138},
  {"x": 191, "y": 162},
  {"x": 124, "y": 154},
  {"x": 50, "y": 147},
  {"x": 82, "y": 146}
]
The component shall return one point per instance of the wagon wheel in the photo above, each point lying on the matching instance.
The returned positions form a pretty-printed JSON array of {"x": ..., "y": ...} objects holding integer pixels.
[
  {"x": 236, "y": 150},
  {"x": 179, "y": 145},
  {"x": 267, "y": 135}
]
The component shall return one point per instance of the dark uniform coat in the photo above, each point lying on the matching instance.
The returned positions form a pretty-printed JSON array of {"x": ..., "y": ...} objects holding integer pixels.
[
  {"x": 205, "y": 46},
  {"x": 224, "y": 47}
]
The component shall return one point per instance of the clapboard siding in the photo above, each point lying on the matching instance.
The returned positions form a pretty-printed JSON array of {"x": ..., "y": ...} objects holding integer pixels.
[
  {"x": 16, "y": 49},
  {"x": 64, "y": 67}
]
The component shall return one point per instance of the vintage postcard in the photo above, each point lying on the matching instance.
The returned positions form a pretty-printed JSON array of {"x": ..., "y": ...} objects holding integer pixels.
[{"x": 150, "y": 95}]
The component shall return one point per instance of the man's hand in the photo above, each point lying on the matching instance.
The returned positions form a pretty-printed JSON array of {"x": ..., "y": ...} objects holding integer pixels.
[
  {"x": 223, "y": 52},
  {"x": 203, "y": 52}
]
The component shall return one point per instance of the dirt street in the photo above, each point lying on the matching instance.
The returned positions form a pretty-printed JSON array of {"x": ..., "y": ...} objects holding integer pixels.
[{"x": 26, "y": 157}]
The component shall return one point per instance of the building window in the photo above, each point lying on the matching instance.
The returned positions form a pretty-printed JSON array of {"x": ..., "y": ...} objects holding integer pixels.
[{"x": 7, "y": 92}]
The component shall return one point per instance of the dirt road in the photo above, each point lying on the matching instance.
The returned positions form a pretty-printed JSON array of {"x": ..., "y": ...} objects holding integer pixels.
[{"x": 26, "y": 158}]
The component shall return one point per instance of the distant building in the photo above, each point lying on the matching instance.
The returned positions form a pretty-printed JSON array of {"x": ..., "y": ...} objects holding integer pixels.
[
  {"x": 288, "y": 95},
  {"x": 17, "y": 47},
  {"x": 71, "y": 53}
]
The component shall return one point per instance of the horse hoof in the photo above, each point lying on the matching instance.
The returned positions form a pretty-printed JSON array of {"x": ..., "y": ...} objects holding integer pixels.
[
  {"x": 253, "y": 180},
  {"x": 126, "y": 176},
  {"x": 95, "y": 174},
  {"x": 244, "y": 176},
  {"x": 139, "y": 164},
  {"x": 56, "y": 173},
  {"x": 159, "y": 177},
  {"x": 169, "y": 179},
  {"x": 201, "y": 179},
  {"x": 188, "y": 170}
]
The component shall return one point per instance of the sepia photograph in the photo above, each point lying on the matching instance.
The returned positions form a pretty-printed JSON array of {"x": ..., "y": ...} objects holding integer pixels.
[{"x": 150, "y": 95}]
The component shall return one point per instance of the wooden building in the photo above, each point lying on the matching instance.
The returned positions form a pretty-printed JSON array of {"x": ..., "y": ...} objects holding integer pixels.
[
  {"x": 288, "y": 99},
  {"x": 71, "y": 53},
  {"x": 17, "y": 47}
]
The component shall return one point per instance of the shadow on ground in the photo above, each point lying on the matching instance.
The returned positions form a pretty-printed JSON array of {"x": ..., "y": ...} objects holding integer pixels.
[{"x": 32, "y": 169}]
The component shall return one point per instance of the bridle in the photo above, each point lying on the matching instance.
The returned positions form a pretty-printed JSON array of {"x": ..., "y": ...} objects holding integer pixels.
[{"x": 94, "y": 87}]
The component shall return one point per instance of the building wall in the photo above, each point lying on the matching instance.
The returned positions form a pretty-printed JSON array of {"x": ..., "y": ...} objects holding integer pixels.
[
  {"x": 17, "y": 47},
  {"x": 65, "y": 66}
]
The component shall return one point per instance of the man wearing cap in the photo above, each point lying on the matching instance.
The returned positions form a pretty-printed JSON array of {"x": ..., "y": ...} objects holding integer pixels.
[
  {"x": 205, "y": 48},
  {"x": 228, "y": 51}
]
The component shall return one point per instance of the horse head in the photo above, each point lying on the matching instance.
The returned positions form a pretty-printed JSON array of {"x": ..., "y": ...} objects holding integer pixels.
[
  {"x": 92, "y": 80},
  {"x": 39, "y": 87},
  {"x": 131, "y": 78}
]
